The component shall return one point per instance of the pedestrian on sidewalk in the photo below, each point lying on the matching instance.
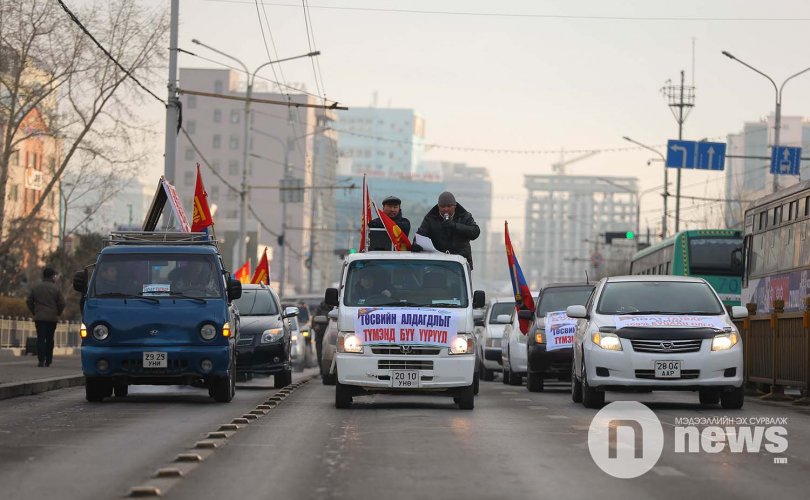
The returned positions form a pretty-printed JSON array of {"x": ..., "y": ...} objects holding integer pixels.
[{"x": 46, "y": 303}]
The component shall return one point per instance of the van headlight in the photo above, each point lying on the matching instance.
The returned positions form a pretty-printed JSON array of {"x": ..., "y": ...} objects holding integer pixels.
[
  {"x": 607, "y": 341},
  {"x": 462, "y": 344},
  {"x": 208, "y": 331},
  {"x": 101, "y": 332},
  {"x": 272, "y": 335},
  {"x": 349, "y": 342},
  {"x": 724, "y": 341}
]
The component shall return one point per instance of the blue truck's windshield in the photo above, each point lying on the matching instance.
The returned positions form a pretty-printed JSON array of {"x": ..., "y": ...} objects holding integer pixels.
[{"x": 157, "y": 275}]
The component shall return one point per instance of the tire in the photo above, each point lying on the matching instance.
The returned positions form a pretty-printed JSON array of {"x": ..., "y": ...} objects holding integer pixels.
[
  {"x": 222, "y": 389},
  {"x": 534, "y": 382},
  {"x": 96, "y": 389},
  {"x": 732, "y": 400},
  {"x": 476, "y": 383},
  {"x": 242, "y": 377},
  {"x": 487, "y": 375},
  {"x": 505, "y": 378},
  {"x": 466, "y": 398},
  {"x": 591, "y": 398},
  {"x": 282, "y": 379},
  {"x": 343, "y": 396},
  {"x": 709, "y": 397},
  {"x": 515, "y": 378},
  {"x": 329, "y": 379},
  {"x": 120, "y": 389},
  {"x": 298, "y": 367},
  {"x": 576, "y": 388}
]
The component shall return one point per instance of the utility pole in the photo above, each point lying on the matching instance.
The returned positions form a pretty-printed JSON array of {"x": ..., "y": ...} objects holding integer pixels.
[
  {"x": 681, "y": 100},
  {"x": 172, "y": 103}
]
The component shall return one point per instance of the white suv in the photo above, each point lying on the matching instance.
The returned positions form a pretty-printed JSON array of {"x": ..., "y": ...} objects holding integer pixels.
[
  {"x": 643, "y": 333},
  {"x": 498, "y": 319}
]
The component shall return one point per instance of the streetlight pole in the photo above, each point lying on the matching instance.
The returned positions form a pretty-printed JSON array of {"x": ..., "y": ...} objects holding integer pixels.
[
  {"x": 243, "y": 192},
  {"x": 666, "y": 183},
  {"x": 778, "y": 112}
]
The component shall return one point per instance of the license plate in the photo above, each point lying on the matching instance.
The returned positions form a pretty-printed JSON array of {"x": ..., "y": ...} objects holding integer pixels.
[
  {"x": 154, "y": 360},
  {"x": 667, "y": 369},
  {"x": 405, "y": 379}
]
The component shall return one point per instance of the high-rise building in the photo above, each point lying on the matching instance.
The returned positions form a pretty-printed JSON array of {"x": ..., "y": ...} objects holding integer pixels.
[
  {"x": 287, "y": 145},
  {"x": 566, "y": 218},
  {"x": 748, "y": 179},
  {"x": 382, "y": 142}
]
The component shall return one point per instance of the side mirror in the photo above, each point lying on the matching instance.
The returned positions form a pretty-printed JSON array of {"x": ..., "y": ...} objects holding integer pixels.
[
  {"x": 331, "y": 297},
  {"x": 577, "y": 311},
  {"x": 479, "y": 299},
  {"x": 526, "y": 315},
  {"x": 234, "y": 289},
  {"x": 290, "y": 312},
  {"x": 739, "y": 312},
  {"x": 320, "y": 320},
  {"x": 503, "y": 319},
  {"x": 80, "y": 282},
  {"x": 333, "y": 314}
]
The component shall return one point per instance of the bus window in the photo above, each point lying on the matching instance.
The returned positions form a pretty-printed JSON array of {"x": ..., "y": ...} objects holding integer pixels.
[{"x": 713, "y": 255}]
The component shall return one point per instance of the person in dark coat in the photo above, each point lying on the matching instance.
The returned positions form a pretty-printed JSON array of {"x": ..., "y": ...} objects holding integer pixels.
[
  {"x": 450, "y": 226},
  {"x": 46, "y": 303},
  {"x": 391, "y": 206}
]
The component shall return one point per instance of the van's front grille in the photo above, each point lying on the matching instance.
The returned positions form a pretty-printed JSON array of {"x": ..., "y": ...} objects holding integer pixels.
[
  {"x": 405, "y": 364},
  {"x": 685, "y": 374},
  {"x": 666, "y": 346},
  {"x": 407, "y": 350}
]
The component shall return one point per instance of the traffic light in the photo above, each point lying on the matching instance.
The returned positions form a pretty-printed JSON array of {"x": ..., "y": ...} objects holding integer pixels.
[{"x": 619, "y": 235}]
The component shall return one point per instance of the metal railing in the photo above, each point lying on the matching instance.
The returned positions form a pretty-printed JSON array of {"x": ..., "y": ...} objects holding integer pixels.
[{"x": 15, "y": 331}]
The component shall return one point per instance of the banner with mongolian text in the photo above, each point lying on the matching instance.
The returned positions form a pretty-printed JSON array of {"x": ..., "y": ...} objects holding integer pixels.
[
  {"x": 679, "y": 321},
  {"x": 409, "y": 326},
  {"x": 560, "y": 330}
]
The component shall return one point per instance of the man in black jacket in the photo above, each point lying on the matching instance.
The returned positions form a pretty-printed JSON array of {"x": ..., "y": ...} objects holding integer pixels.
[
  {"x": 46, "y": 303},
  {"x": 450, "y": 227},
  {"x": 391, "y": 207}
]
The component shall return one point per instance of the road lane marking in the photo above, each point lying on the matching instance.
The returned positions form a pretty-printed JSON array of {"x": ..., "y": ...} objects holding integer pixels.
[{"x": 665, "y": 470}]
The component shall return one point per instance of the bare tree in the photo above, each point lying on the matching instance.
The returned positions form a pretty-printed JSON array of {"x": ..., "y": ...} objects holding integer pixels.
[{"x": 52, "y": 70}]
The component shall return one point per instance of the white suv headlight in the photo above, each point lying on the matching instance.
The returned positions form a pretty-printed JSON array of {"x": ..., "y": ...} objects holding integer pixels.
[
  {"x": 349, "y": 342},
  {"x": 607, "y": 341},
  {"x": 462, "y": 344},
  {"x": 272, "y": 335},
  {"x": 724, "y": 341}
]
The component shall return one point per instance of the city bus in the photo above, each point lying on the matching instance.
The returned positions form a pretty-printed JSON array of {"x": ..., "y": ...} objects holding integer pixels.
[
  {"x": 777, "y": 249},
  {"x": 712, "y": 254}
]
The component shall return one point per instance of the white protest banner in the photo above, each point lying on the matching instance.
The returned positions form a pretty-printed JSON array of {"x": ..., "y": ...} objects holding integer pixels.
[
  {"x": 177, "y": 205},
  {"x": 435, "y": 327},
  {"x": 560, "y": 330},
  {"x": 675, "y": 321}
]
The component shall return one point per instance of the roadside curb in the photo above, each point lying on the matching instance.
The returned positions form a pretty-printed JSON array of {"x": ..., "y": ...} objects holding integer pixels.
[{"x": 14, "y": 389}]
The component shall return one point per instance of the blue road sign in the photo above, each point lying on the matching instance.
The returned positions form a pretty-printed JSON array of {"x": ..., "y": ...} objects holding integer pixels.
[
  {"x": 699, "y": 155},
  {"x": 785, "y": 160}
]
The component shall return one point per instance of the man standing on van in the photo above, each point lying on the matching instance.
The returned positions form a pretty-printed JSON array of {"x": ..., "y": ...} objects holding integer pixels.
[
  {"x": 450, "y": 227},
  {"x": 391, "y": 206},
  {"x": 46, "y": 303}
]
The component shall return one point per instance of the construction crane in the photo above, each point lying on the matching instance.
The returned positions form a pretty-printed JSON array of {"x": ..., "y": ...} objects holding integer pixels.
[{"x": 559, "y": 167}]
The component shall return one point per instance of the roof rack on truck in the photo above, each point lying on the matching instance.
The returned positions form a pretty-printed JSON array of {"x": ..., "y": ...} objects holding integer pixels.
[{"x": 159, "y": 238}]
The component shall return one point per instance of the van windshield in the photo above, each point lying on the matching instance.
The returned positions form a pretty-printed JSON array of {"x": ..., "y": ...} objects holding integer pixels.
[
  {"x": 156, "y": 275},
  {"x": 406, "y": 283}
]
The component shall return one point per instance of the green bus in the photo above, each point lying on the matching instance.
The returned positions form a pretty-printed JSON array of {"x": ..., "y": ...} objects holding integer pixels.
[{"x": 712, "y": 254}]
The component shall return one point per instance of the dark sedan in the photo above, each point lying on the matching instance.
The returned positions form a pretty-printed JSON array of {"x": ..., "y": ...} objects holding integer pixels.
[
  {"x": 263, "y": 346},
  {"x": 542, "y": 363}
]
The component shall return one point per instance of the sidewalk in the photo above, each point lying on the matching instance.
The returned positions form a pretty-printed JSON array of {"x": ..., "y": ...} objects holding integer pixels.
[{"x": 20, "y": 375}]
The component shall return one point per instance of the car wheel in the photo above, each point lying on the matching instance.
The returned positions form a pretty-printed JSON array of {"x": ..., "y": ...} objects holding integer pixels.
[
  {"x": 242, "y": 377},
  {"x": 732, "y": 400},
  {"x": 505, "y": 377},
  {"x": 576, "y": 389},
  {"x": 476, "y": 383},
  {"x": 120, "y": 389},
  {"x": 96, "y": 389},
  {"x": 591, "y": 398},
  {"x": 282, "y": 379},
  {"x": 329, "y": 379},
  {"x": 709, "y": 397},
  {"x": 466, "y": 399},
  {"x": 515, "y": 378},
  {"x": 487, "y": 375},
  {"x": 534, "y": 382},
  {"x": 343, "y": 396}
]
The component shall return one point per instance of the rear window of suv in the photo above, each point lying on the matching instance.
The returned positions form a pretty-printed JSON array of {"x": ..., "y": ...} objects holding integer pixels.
[
  {"x": 499, "y": 308},
  {"x": 659, "y": 297}
]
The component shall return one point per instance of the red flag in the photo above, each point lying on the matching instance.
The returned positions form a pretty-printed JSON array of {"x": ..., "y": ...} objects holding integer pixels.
[
  {"x": 523, "y": 296},
  {"x": 202, "y": 214},
  {"x": 243, "y": 273},
  {"x": 398, "y": 238},
  {"x": 366, "y": 217},
  {"x": 262, "y": 272}
]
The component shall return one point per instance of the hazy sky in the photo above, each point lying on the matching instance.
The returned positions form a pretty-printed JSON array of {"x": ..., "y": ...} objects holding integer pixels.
[{"x": 534, "y": 75}]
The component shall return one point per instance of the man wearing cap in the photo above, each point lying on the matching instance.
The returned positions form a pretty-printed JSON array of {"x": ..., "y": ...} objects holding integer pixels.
[
  {"x": 450, "y": 227},
  {"x": 391, "y": 208}
]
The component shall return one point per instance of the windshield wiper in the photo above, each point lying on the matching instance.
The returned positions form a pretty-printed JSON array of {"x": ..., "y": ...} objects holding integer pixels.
[
  {"x": 184, "y": 296},
  {"x": 403, "y": 303},
  {"x": 444, "y": 304},
  {"x": 119, "y": 295}
]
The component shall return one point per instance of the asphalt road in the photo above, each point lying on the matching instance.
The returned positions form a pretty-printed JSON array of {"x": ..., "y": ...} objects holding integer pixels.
[{"x": 515, "y": 444}]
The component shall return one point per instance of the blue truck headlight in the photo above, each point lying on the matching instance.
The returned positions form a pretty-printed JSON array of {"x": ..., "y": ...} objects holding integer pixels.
[
  {"x": 208, "y": 331},
  {"x": 101, "y": 332}
]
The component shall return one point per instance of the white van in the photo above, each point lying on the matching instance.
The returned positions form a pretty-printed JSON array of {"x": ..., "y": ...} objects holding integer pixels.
[{"x": 405, "y": 326}]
